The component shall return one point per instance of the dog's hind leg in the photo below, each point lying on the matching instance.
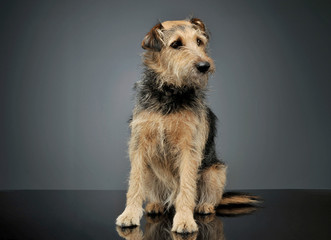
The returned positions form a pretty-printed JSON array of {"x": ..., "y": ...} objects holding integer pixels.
[{"x": 210, "y": 188}]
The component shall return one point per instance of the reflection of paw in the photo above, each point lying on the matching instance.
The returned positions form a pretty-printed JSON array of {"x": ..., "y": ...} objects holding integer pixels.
[
  {"x": 154, "y": 208},
  {"x": 205, "y": 209},
  {"x": 130, "y": 233},
  {"x": 129, "y": 218},
  {"x": 155, "y": 218},
  {"x": 205, "y": 218},
  {"x": 190, "y": 236},
  {"x": 184, "y": 223}
]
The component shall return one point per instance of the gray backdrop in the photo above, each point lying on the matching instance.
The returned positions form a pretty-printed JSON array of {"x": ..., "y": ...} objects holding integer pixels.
[{"x": 67, "y": 69}]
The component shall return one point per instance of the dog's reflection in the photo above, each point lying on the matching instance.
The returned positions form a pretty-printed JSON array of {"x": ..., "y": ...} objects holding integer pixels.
[{"x": 159, "y": 226}]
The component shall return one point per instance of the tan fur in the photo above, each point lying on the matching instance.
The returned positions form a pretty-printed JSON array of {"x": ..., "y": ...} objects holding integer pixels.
[
  {"x": 155, "y": 208},
  {"x": 166, "y": 150},
  {"x": 175, "y": 71},
  {"x": 168, "y": 144},
  {"x": 240, "y": 200},
  {"x": 211, "y": 185},
  {"x": 170, "y": 24}
]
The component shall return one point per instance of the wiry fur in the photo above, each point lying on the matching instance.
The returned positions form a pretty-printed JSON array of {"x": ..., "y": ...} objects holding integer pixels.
[{"x": 172, "y": 149}]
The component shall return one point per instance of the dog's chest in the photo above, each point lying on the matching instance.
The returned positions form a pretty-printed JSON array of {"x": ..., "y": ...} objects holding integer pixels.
[{"x": 164, "y": 137}]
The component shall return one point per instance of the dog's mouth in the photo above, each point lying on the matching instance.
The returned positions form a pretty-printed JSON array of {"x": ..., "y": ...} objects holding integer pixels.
[
  {"x": 209, "y": 72},
  {"x": 203, "y": 75},
  {"x": 196, "y": 79}
]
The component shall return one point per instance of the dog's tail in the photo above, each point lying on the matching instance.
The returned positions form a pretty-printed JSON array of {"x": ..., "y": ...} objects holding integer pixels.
[
  {"x": 238, "y": 203},
  {"x": 239, "y": 198}
]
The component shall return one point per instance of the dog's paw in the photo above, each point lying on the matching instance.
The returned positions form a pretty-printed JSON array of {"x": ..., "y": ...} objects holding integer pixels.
[
  {"x": 129, "y": 218},
  {"x": 205, "y": 209},
  {"x": 184, "y": 223},
  {"x": 154, "y": 209},
  {"x": 179, "y": 236}
]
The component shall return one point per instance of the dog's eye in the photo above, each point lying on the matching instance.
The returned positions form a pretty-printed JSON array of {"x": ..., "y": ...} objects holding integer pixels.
[
  {"x": 176, "y": 44},
  {"x": 199, "y": 42}
]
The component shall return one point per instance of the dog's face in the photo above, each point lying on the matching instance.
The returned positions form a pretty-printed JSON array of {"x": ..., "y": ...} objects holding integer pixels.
[{"x": 176, "y": 51}]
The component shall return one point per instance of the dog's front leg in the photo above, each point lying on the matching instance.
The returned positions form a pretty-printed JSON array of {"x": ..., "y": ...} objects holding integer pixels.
[
  {"x": 185, "y": 202},
  {"x": 135, "y": 195}
]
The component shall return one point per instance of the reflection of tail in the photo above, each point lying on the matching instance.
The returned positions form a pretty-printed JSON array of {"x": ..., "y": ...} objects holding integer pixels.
[{"x": 237, "y": 203}]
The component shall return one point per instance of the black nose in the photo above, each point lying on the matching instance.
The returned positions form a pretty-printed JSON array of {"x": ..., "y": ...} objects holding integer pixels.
[{"x": 203, "y": 66}]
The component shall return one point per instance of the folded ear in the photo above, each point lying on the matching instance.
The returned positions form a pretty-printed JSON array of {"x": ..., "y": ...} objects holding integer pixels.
[
  {"x": 200, "y": 25},
  {"x": 153, "y": 40}
]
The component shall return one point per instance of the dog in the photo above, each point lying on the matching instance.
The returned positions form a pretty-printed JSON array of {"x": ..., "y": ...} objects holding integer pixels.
[{"x": 171, "y": 148}]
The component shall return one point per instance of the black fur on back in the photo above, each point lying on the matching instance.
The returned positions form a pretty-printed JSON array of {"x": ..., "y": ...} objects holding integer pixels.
[{"x": 210, "y": 157}]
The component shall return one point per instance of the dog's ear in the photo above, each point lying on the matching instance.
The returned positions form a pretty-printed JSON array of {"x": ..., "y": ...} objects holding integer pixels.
[
  {"x": 153, "y": 40},
  {"x": 200, "y": 25}
]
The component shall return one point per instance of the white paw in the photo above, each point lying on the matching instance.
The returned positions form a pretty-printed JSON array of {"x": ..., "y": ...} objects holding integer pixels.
[
  {"x": 184, "y": 223},
  {"x": 129, "y": 218}
]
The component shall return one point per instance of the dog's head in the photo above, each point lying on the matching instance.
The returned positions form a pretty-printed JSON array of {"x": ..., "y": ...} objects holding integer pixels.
[{"x": 177, "y": 52}]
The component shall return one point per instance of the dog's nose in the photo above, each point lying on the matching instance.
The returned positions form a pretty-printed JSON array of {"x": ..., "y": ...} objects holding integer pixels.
[{"x": 203, "y": 66}]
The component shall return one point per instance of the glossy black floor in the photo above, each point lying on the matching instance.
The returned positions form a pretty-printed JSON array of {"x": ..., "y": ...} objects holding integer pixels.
[{"x": 286, "y": 214}]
